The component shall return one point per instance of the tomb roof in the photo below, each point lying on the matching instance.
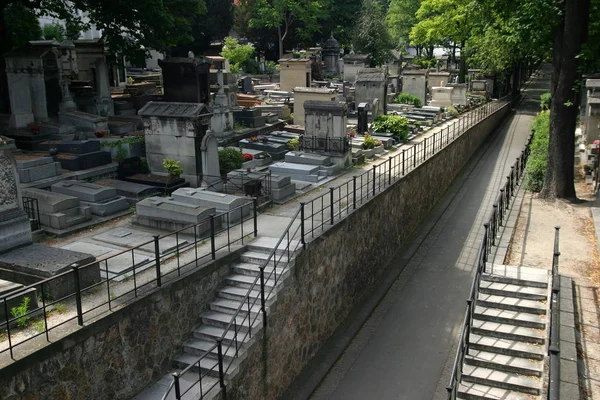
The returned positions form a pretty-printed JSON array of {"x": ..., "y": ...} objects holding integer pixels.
[{"x": 173, "y": 109}]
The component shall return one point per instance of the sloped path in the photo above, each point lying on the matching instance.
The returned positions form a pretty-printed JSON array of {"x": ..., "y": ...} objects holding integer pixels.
[{"x": 404, "y": 349}]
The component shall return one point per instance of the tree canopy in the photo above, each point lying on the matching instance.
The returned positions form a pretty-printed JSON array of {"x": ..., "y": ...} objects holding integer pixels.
[{"x": 372, "y": 36}]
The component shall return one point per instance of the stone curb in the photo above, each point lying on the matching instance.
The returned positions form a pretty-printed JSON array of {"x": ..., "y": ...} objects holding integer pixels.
[{"x": 569, "y": 383}]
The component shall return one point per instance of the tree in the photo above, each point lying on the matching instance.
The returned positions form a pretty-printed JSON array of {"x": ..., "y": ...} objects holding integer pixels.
[
  {"x": 400, "y": 19},
  {"x": 236, "y": 53},
  {"x": 284, "y": 15},
  {"x": 54, "y": 31},
  {"x": 372, "y": 36},
  {"x": 341, "y": 21}
]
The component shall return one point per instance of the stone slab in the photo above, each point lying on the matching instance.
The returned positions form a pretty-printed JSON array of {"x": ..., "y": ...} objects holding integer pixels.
[
  {"x": 237, "y": 207},
  {"x": 167, "y": 208},
  {"x": 307, "y": 158},
  {"x": 130, "y": 238},
  {"x": 79, "y": 146},
  {"x": 30, "y": 264},
  {"x": 84, "y": 161},
  {"x": 107, "y": 207},
  {"x": 84, "y": 191},
  {"x": 15, "y": 232},
  {"x": 39, "y": 172},
  {"x": 293, "y": 168},
  {"x": 114, "y": 264},
  {"x": 32, "y": 162},
  {"x": 49, "y": 202},
  {"x": 130, "y": 190},
  {"x": 280, "y": 194}
]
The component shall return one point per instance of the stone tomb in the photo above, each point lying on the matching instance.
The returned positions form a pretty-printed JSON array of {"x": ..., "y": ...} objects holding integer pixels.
[
  {"x": 414, "y": 81},
  {"x": 294, "y": 72},
  {"x": 59, "y": 212},
  {"x": 439, "y": 79},
  {"x": 186, "y": 80},
  {"x": 176, "y": 131},
  {"x": 111, "y": 264},
  {"x": 102, "y": 200},
  {"x": 353, "y": 63},
  {"x": 31, "y": 168},
  {"x": 30, "y": 264},
  {"x": 331, "y": 56},
  {"x": 249, "y": 117},
  {"x": 85, "y": 122},
  {"x": 15, "y": 228},
  {"x": 371, "y": 84},
  {"x": 129, "y": 238},
  {"x": 223, "y": 203},
  {"x": 304, "y": 94},
  {"x": 459, "y": 94},
  {"x": 441, "y": 96},
  {"x": 81, "y": 154},
  {"x": 281, "y": 186},
  {"x": 168, "y": 214}
]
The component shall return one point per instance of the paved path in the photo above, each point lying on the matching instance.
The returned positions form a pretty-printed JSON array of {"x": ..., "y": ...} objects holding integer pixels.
[{"x": 406, "y": 348}]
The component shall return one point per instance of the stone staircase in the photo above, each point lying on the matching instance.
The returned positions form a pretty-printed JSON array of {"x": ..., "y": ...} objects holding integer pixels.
[
  {"x": 215, "y": 320},
  {"x": 509, "y": 336}
]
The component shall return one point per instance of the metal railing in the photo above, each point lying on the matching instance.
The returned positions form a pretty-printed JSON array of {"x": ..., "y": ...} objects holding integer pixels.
[
  {"x": 554, "y": 347},
  {"x": 107, "y": 283},
  {"x": 490, "y": 235},
  {"x": 32, "y": 209},
  {"x": 324, "y": 144},
  {"x": 310, "y": 219}
]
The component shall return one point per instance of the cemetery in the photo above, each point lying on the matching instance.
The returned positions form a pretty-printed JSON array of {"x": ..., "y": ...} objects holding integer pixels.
[{"x": 110, "y": 172}]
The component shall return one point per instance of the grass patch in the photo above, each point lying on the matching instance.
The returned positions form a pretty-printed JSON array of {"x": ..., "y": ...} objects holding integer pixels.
[{"x": 538, "y": 157}]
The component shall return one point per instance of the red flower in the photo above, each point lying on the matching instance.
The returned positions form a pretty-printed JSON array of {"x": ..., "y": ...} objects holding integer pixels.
[{"x": 248, "y": 157}]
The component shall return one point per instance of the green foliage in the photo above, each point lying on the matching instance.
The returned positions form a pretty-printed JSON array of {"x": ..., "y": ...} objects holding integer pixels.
[
  {"x": 121, "y": 154},
  {"x": 392, "y": 124},
  {"x": 229, "y": 160},
  {"x": 39, "y": 326},
  {"x": 537, "y": 162},
  {"x": 408, "y": 98},
  {"x": 173, "y": 167},
  {"x": 270, "y": 67},
  {"x": 545, "y": 100},
  {"x": 440, "y": 22},
  {"x": 400, "y": 19},
  {"x": 54, "y": 31},
  {"x": 293, "y": 144},
  {"x": 21, "y": 24},
  {"x": 20, "y": 312},
  {"x": 425, "y": 62},
  {"x": 236, "y": 53},
  {"x": 452, "y": 111},
  {"x": 372, "y": 36},
  {"x": 370, "y": 142}
]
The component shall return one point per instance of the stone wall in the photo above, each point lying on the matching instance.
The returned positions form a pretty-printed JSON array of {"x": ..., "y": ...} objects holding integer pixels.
[
  {"x": 341, "y": 266},
  {"x": 122, "y": 353}
]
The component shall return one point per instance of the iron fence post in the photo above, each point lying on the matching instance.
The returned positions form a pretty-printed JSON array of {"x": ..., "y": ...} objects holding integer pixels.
[
  {"x": 374, "y": 172},
  {"x": 6, "y": 314},
  {"x": 263, "y": 307},
  {"x": 212, "y": 237},
  {"x": 255, "y": 204},
  {"x": 221, "y": 373},
  {"x": 157, "y": 260},
  {"x": 77, "y": 294},
  {"x": 331, "y": 189},
  {"x": 403, "y": 160},
  {"x": 302, "y": 225},
  {"x": 177, "y": 388},
  {"x": 390, "y": 171},
  {"x": 424, "y": 149},
  {"x": 354, "y": 192}
]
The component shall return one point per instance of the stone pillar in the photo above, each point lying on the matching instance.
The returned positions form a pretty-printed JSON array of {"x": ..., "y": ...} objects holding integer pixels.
[
  {"x": 211, "y": 174},
  {"x": 104, "y": 103},
  {"x": 15, "y": 229}
]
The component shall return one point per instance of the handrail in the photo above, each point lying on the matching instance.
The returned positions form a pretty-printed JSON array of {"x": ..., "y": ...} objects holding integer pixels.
[
  {"x": 491, "y": 230},
  {"x": 245, "y": 307},
  {"x": 554, "y": 347}
]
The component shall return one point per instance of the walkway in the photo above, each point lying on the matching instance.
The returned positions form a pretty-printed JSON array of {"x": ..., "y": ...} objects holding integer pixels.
[{"x": 406, "y": 347}]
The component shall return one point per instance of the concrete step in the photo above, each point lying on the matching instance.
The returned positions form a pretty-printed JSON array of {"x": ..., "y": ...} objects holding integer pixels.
[
  {"x": 510, "y": 317},
  {"x": 502, "y": 380},
  {"x": 199, "y": 347},
  {"x": 211, "y": 333},
  {"x": 223, "y": 320},
  {"x": 188, "y": 383},
  {"x": 511, "y": 303},
  {"x": 267, "y": 244},
  {"x": 506, "y": 347},
  {"x": 475, "y": 391},
  {"x": 257, "y": 257},
  {"x": 254, "y": 270},
  {"x": 508, "y": 290},
  {"x": 245, "y": 281},
  {"x": 514, "y": 281},
  {"x": 520, "y": 273},
  {"x": 502, "y": 362},
  {"x": 230, "y": 306},
  {"x": 506, "y": 331},
  {"x": 208, "y": 365},
  {"x": 239, "y": 294}
]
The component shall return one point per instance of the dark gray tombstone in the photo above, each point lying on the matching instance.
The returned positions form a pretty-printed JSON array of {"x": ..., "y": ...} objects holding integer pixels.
[{"x": 363, "y": 117}]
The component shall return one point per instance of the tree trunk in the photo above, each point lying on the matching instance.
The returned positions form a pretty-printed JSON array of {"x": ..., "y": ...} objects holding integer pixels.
[
  {"x": 280, "y": 42},
  {"x": 5, "y": 45},
  {"x": 559, "y": 180}
]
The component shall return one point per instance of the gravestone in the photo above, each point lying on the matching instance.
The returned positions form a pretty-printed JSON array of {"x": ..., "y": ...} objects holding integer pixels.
[
  {"x": 353, "y": 63},
  {"x": 441, "y": 96},
  {"x": 294, "y": 72},
  {"x": 414, "y": 81},
  {"x": 371, "y": 84},
  {"x": 221, "y": 123},
  {"x": 459, "y": 94},
  {"x": 15, "y": 229},
  {"x": 304, "y": 94},
  {"x": 186, "y": 80},
  {"x": 211, "y": 175},
  {"x": 102, "y": 200},
  {"x": 236, "y": 206},
  {"x": 439, "y": 79},
  {"x": 363, "y": 118},
  {"x": 325, "y": 133}
]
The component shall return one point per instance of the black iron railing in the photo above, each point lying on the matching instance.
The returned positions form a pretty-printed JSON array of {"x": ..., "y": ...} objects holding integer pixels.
[
  {"x": 490, "y": 235},
  {"x": 311, "y": 218},
  {"x": 554, "y": 348},
  {"x": 30, "y": 205},
  {"x": 323, "y": 144},
  {"x": 97, "y": 287}
]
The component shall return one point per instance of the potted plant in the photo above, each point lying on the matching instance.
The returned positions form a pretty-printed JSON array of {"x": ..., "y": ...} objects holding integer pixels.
[
  {"x": 99, "y": 133},
  {"x": 35, "y": 129},
  {"x": 293, "y": 144},
  {"x": 587, "y": 168},
  {"x": 173, "y": 167}
]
